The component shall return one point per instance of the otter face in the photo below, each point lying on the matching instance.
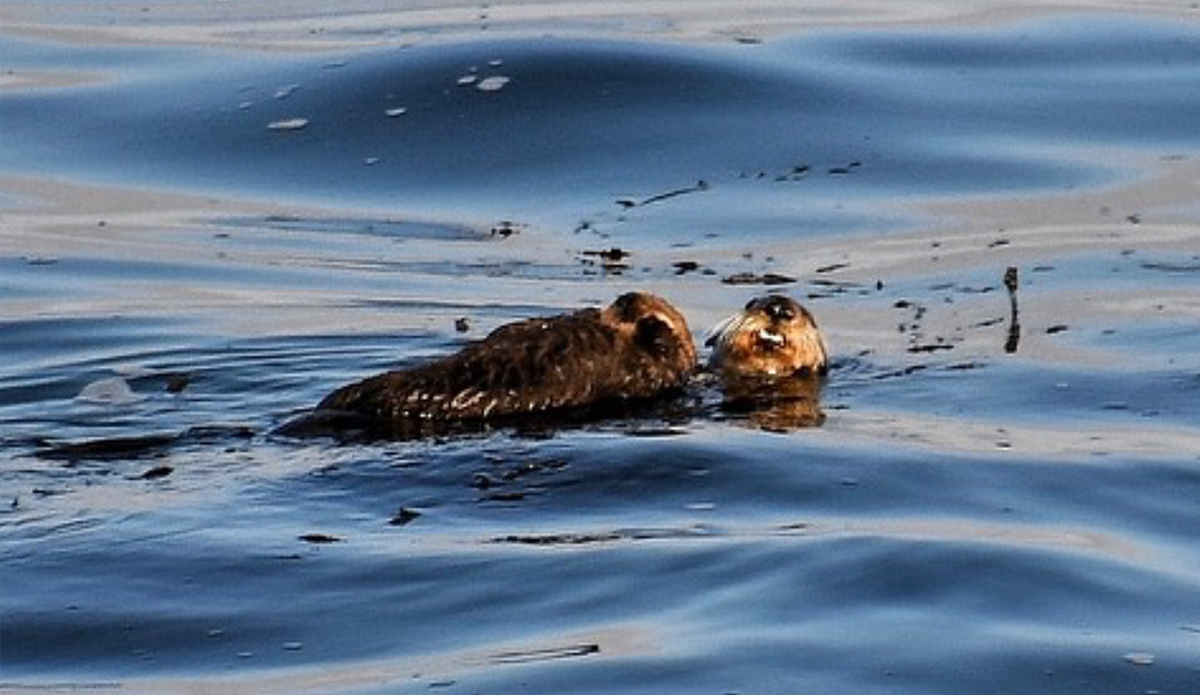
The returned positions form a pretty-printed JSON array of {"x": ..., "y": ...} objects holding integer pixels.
[
  {"x": 773, "y": 336},
  {"x": 654, "y": 326}
]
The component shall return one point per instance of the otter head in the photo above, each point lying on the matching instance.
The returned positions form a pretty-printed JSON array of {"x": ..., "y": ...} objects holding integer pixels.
[
  {"x": 653, "y": 326},
  {"x": 773, "y": 336}
]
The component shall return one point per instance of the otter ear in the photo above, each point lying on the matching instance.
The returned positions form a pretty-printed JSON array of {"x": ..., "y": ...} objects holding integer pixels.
[
  {"x": 627, "y": 305},
  {"x": 652, "y": 334}
]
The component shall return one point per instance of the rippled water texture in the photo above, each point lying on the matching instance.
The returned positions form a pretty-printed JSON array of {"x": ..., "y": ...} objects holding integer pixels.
[{"x": 1001, "y": 497}]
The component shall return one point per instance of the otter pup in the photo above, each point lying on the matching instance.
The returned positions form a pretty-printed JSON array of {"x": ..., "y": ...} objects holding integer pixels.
[
  {"x": 636, "y": 348},
  {"x": 771, "y": 337},
  {"x": 768, "y": 358}
]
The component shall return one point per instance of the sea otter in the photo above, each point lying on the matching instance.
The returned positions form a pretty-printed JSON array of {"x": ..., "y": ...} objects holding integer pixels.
[
  {"x": 769, "y": 359},
  {"x": 635, "y": 349},
  {"x": 772, "y": 337}
]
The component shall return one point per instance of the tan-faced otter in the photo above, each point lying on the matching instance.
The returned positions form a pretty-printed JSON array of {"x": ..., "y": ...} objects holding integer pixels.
[
  {"x": 635, "y": 349},
  {"x": 769, "y": 359},
  {"x": 771, "y": 337}
]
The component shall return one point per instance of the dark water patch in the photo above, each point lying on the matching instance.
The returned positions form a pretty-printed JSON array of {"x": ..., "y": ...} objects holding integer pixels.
[
  {"x": 839, "y": 116},
  {"x": 390, "y": 228}
]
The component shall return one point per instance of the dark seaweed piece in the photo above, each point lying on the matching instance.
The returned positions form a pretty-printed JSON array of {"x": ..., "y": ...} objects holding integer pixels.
[
  {"x": 756, "y": 279},
  {"x": 319, "y": 538},
  {"x": 627, "y": 203},
  {"x": 157, "y": 472},
  {"x": 504, "y": 229},
  {"x": 1014, "y": 327},
  {"x": 404, "y": 517},
  {"x": 930, "y": 347}
]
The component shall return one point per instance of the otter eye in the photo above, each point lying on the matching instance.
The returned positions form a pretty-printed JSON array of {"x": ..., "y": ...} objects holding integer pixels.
[{"x": 780, "y": 311}]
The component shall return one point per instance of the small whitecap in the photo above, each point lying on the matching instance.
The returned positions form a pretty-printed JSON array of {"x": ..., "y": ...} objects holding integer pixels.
[
  {"x": 288, "y": 124},
  {"x": 286, "y": 91},
  {"x": 396, "y": 112},
  {"x": 371, "y": 161},
  {"x": 495, "y": 62},
  {"x": 492, "y": 84},
  {"x": 109, "y": 391},
  {"x": 1140, "y": 658},
  {"x": 467, "y": 80}
]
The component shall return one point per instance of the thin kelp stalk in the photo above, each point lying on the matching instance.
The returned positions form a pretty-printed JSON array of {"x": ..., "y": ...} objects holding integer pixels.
[{"x": 1014, "y": 323}]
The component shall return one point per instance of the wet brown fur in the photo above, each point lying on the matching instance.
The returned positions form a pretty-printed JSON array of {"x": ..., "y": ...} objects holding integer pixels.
[
  {"x": 773, "y": 336},
  {"x": 636, "y": 348}
]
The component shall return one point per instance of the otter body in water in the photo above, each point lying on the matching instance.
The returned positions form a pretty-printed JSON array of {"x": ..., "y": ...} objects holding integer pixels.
[{"x": 636, "y": 348}]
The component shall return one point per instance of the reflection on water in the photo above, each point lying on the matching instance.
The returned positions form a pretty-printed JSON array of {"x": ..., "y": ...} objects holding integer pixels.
[{"x": 937, "y": 516}]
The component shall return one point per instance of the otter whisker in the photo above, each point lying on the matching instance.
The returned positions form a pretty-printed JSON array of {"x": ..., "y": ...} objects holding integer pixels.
[{"x": 721, "y": 332}]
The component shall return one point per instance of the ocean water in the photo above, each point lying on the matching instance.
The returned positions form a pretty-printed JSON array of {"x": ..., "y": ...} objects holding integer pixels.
[{"x": 991, "y": 502}]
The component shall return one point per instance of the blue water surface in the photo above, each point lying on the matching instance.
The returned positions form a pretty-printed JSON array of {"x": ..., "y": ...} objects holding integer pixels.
[{"x": 157, "y": 534}]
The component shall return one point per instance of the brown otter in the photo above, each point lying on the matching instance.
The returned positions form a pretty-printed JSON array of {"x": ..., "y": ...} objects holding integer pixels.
[
  {"x": 771, "y": 337},
  {"x": 636, "y": 348},
  {"x": 769, "y": 359}
]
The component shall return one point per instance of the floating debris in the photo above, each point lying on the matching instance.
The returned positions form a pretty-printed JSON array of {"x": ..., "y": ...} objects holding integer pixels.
[
  {"x": 611, "y": 260},
  {"x": 288, "y": 124},
  {"x": 319, "y": 538},
  {"x": 492, "y": 84},
  {"x": 627, "y": 203},
  {"x": 157, "y": 472},
  {"x": 462, "y": 324},
  {"x": 613, "y": 255},
  {"x": 548, "y": 654},
  {"x": 403, "y": 517},
  {"x": 844, "y": 170},
  {"x": 504, "y": 229},
  {"x": 1139, "y": 658},
  {"x": 1011, "y": 283},
  {"x": 756, "y": 279}
]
